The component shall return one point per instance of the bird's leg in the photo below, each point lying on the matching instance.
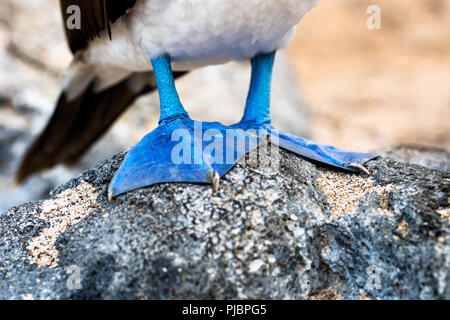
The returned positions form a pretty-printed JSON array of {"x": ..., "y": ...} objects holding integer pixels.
[
  {"x": 179, "y": 149},
  {"x": 170, "y": 105},
  {"x": 257, "y": 109},
  {"x": 257, "y": 116}
]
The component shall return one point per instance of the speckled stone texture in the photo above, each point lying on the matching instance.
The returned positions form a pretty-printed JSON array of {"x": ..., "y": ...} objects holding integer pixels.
[{"x": 296, "y": 231}]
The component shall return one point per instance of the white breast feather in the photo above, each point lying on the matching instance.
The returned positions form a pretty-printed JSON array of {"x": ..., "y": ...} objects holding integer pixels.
[{"x": 195, "y": 33}]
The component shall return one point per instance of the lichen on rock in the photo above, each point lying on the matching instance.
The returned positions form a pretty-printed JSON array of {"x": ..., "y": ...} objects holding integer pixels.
[{"x": 69, "y": 208}]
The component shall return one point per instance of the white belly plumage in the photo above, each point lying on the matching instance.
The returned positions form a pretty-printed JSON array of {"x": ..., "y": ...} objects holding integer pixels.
[{"x": 197, "y": 33}]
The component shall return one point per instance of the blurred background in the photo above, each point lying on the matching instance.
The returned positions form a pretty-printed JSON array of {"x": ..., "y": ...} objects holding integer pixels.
[
  {"x": 339, "y": 83},
  {"x": 373, "y": 88}
]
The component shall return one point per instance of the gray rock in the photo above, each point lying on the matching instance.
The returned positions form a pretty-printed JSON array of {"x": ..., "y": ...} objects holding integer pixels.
[
  {"x": 430, "y": 157},
  {"x": 279, "y": 229}
]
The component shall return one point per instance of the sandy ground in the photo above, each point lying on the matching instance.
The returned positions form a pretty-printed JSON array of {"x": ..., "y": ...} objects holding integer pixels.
[{"x": 372, "y": 88}]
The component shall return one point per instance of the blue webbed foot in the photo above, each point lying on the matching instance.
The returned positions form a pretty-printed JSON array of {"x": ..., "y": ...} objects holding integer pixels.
[
  {"x": 348, "y": 160},
  {"x": 343, "y": 159},
  {"x": 161, "y": 156},
  {"x": 182, "y": 150}
]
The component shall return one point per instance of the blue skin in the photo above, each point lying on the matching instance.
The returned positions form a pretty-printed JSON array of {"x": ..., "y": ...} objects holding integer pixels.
[{"x": 181, "y": 150}]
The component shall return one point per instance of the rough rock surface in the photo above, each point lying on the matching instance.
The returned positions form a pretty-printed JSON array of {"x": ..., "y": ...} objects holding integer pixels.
[
  {"x": 31, "y": 66},
  {"x": 433, "y": 158},
  {"x": 283, "y": 229}
]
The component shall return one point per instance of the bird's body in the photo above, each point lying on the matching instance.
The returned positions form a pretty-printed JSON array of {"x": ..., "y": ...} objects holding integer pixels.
[
  {"x": 194, "y": 33},
  {"x": 127, "y": 48},
  {"x": 197, "y": 33}
]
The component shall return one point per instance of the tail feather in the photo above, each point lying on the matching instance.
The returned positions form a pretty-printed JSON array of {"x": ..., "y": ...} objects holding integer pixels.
[{"x": 77, "y": 123}]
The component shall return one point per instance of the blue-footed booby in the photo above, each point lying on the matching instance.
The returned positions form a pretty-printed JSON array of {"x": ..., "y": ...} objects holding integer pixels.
[{"x": 127, "y": 48}]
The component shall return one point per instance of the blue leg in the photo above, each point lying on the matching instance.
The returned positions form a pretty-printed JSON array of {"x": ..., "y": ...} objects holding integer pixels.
[
  {"x": 257, "y": 110},
  {"x": 180, "y": 149},
  {"x": 257, "y": 115},
  {"x": 170, "y": 105}
]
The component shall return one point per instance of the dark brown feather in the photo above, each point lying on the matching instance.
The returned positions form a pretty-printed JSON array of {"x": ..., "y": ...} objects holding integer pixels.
[
  {"x": 77, "y": 124},
  {"x": 96, "y": 17}
]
